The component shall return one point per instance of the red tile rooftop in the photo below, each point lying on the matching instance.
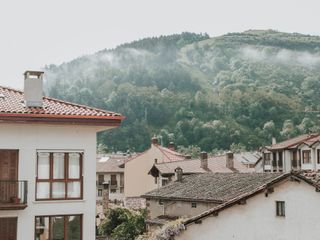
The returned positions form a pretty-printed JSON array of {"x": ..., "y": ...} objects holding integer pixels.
[{"x": 12, "y": 105}]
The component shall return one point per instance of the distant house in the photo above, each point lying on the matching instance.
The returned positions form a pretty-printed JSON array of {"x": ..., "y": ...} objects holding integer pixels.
[
  {"x": 299, "y": 153},
  {"x": 193, "y": 194},
  {"x": 284, "y": 206},
  {"x": 228, "y": 163},
  {"x": 137, "y": 181},
  {"x": 110, "y": 173},
  {"x": 47, "y": 164}
]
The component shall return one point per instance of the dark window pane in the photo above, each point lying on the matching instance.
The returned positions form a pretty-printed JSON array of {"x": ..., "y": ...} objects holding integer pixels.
[
  {"x": 74, "y": 228},
  {"x": 57, "y": 228}
]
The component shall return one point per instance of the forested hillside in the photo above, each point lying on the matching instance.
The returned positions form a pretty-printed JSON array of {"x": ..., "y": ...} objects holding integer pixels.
[{"x": 236, "y": 90}]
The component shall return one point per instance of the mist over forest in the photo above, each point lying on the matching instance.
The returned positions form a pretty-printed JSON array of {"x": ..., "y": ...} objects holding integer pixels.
[{"x": 234, "y": 91}]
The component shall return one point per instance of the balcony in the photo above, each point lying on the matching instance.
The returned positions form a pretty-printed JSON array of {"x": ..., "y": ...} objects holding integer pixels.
[{"x": 13, "y": 194}]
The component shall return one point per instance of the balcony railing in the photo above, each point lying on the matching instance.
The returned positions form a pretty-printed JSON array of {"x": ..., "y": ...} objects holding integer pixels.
[{"x": 13, "y": 194}]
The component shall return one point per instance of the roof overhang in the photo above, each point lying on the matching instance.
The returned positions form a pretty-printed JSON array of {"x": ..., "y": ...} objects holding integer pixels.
[{"x": 112, "y": 121}]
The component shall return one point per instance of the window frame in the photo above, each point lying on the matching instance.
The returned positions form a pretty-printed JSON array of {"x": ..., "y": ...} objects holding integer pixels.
[
  {"x": 280, "y": 208},
  {"x": 65, "y": 227},
  {"x": 303, "y": 156},
  {"x": 193, "y": 205},
  {"x": 64, "y": 180}
]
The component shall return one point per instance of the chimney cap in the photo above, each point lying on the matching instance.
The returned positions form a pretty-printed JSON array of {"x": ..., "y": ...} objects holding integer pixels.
[{"x": 33, "y": 73}]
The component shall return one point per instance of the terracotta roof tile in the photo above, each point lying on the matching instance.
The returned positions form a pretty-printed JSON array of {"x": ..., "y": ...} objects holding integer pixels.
[
  {"x": 293, "y": 142},
  {"x": 12, "y": 103}
]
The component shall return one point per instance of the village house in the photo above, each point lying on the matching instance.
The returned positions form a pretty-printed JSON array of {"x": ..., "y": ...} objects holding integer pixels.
[
  {"x": 137, "y": 181},
  {"x": 193, "y": 194},
  {"x": 109, "y": 173},
  {"x": 299, "y": 153},
  {"x": 47, "y": 164},
  {"x": 284, "y": 206},
  {"x": 227, "y": 163}
]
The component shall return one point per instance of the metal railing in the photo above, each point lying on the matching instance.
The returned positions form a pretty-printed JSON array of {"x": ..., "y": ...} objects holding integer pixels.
[{"x": 13, "y": 192}]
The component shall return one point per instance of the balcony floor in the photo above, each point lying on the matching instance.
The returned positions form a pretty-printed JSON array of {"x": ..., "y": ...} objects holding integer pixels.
[{"x": 12, "y": 206}]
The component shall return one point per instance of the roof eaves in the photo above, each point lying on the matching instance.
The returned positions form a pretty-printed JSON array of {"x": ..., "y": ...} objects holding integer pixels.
[{"x": 235, "y": 200}]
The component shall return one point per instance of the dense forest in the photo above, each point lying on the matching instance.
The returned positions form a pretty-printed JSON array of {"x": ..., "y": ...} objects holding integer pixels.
[{"x": 234, "y": 91}]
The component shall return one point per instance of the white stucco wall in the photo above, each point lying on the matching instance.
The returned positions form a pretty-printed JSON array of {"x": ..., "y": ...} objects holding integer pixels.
[
  {"x": 30, "y": 138},
  {"x": 257, "y": 219}
]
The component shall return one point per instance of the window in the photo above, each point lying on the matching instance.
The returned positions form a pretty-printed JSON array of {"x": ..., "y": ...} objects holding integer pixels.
[
  {"x": 280, "y": 208},
  {"x": 306, "y": 156},
  {"x": 58, "y": 227},
  {"x": 274, "y": 160},
  {"x": 59, "y": 176},
  {"x": 194, "y": 205},
  {"x": 280, "y": 160},
  {"x": 318, "y": 156},
  {"x": 121, "y": 179},
  {"x": 267, "y": 158},
  {"x": 100, "y": 179},
  {"x": 113, "y": 190},
  {"x": 114, "y": 180},
  {"x": 99, "y": 192},
  {"x": 161, "y": 202},
  {"x": 294, "y": 158}
]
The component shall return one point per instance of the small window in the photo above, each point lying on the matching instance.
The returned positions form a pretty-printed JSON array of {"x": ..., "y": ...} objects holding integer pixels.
[
  {"x": 99, "y": 192},
  {"x": 280, "y": 208},
  {"x": 306, "y": 156},
  {"x": 194, "y": 205},
  {"x": 161, "y": 202}
]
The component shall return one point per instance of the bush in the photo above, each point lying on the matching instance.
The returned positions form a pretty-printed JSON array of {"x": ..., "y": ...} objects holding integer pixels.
[{"x": 123, "y": 224}]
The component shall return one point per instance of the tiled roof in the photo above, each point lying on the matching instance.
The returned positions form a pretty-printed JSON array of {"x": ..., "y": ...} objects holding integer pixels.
[
  {"x": 247, "y": 157},
  {"x": 12, "y": 104},
  {"x": 212, "y": 187},
  {"x": 109, "y": 164},
  {"x": 168, "y": 155},
  {"x": 216, "y": 164},
  {"x": 311, "y": 178},
  {"x": 294, "y": 142}
]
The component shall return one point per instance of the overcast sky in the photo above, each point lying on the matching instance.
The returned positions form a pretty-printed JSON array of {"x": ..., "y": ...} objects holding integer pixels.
[{"x": 39, "y": 32}]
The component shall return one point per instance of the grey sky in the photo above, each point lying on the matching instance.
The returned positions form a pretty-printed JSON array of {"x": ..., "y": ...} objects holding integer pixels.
[{"x": 39, "y": 32}]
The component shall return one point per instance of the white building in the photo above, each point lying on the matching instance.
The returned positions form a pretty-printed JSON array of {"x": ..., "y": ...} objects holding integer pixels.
[
  {"x": 299, "y": 153},
  {"x": 285, "y": 209},
  {"x": 47, "y": 164}
]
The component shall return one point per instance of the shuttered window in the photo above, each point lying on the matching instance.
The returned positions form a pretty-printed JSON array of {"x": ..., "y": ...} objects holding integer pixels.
[{"x": 8, "y": 228}]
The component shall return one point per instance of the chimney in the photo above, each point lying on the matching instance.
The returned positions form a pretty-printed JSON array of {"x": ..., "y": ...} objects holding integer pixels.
[
  {"x": 33, "y": 88},
  {"x": 229, "y": 160},
  {"x": 171, "y": 146},
  {"x": 154, "y": 140},
  {"x": 204, "y": 160},
  {"x": 178, "y": 173},
  {"x": 274, "y": 141}
]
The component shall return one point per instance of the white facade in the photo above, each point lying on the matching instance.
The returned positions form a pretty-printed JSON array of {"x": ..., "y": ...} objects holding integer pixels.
[
  {"x": 293, "y": 159},
  {"x": 257, "y": 218},
  {"x": 28, "y": 139}
]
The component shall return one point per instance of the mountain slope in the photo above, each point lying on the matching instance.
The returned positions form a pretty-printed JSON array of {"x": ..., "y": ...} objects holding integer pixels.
[{"x": 239, "y": 89}]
